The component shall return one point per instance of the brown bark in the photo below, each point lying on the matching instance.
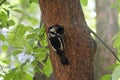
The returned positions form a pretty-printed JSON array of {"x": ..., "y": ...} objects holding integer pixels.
[
  {"x": 80, "y": 47},
  {"x": 107, "y": 27}
]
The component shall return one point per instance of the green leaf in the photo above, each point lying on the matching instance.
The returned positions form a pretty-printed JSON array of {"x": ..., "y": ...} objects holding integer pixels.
[
  {"x": 7, "y": 3},
  {"x": 47, "y": 70},
  {"x": 16, "y": 43},
  {"x": 11, "y": 22},
  {"x": 41, "y": 54},
  {"x": 16, "y": 40},
  {"x": 18, "y": 10},
  {"x": 84, "y": 2},
  {"x": 116, "y": 73},
  {"x": 6, "y": 61},
  {"x": 21, "y": 29},
  {"x": 34, "y": 63},
  {"x": 29, "y": 36},
  {"x": 117, "y": 41},
  {"x": 1, "y": 75},
  {"x": 10, "y": 75},
  {"x": 28, "y": 76},
  {"x": 2, "y": 37},
  {"x": 4, "y": 48},
  {"x": 18, "y": 74},
  {"x": 3, "y": 16},
  {"x": 16, "y": 52},
  {"x": 7, "y": 11},
  {"x": 34, "y": 1},
  {"x": 31, "y": 19},
  {"x": 31, "y": 41},
  {"x": 41, "y": 30},
  {"x": 106, "y": 77},
  {"x": 22, "y": 75}
]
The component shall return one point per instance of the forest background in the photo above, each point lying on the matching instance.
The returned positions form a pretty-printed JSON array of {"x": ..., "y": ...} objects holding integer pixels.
[{"x": 23, "y": 41}]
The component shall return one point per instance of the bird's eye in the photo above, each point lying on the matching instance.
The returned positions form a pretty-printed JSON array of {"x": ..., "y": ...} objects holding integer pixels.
[{"x": 60, "y": 30}]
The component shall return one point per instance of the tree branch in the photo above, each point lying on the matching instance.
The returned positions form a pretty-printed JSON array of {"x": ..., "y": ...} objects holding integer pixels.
[{"x": 113, "y": 52}]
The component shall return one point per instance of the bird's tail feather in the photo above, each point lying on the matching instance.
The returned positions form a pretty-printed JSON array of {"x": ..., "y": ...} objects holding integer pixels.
[{"x": 63, "y": 58}]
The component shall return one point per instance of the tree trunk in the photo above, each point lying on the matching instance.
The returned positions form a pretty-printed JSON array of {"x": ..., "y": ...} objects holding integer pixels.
[
  {"x": 107, "y": 27},
  {"x": 80, "y": 47}
]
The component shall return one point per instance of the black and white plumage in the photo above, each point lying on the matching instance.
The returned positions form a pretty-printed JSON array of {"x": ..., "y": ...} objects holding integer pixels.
[{"x": 55, "y": 34}]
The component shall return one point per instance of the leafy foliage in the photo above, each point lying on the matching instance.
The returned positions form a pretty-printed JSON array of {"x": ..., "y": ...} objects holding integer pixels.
[
  {"x": 84, "y": 2},
  {"x": 24, "y": 42},
  {"x": 18, "y": 74},
  {"x": 116, "y": 5},
  {"x": 116, "y": 66},
  {"x": 106, "y": 77},
  {"x": 24, "y": 47},
  {"x": 116, "y": 73},
  {"x": 116, "y": 39},
  {"x": 2, "y": 37}
]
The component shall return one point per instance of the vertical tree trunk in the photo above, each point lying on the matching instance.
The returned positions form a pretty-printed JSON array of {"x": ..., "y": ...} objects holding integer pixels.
[
  {"x": 80, "y": 47},
  {"x": 107, "y": 27}
]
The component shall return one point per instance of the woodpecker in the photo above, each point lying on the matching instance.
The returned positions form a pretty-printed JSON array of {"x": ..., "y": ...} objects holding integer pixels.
[{"x": 55, "y": 34}]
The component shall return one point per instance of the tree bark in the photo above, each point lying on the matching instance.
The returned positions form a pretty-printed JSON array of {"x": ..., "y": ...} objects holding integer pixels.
[
  {"x": 107, "y": 27},
  {"x": 80, "y": 47}
]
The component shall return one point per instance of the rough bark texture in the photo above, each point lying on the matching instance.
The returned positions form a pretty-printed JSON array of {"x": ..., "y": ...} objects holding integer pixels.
[
  {"x": 80, "y": 47},
  {"x": 107, "y": 27}
]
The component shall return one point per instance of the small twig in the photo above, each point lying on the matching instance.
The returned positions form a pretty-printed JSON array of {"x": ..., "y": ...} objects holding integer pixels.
[
  {"x": 105, "y": 44},
  {"x": 41, "y": 22},
  {"x": 38, "y": 42},
  {"x": 2, "y": 69}
]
